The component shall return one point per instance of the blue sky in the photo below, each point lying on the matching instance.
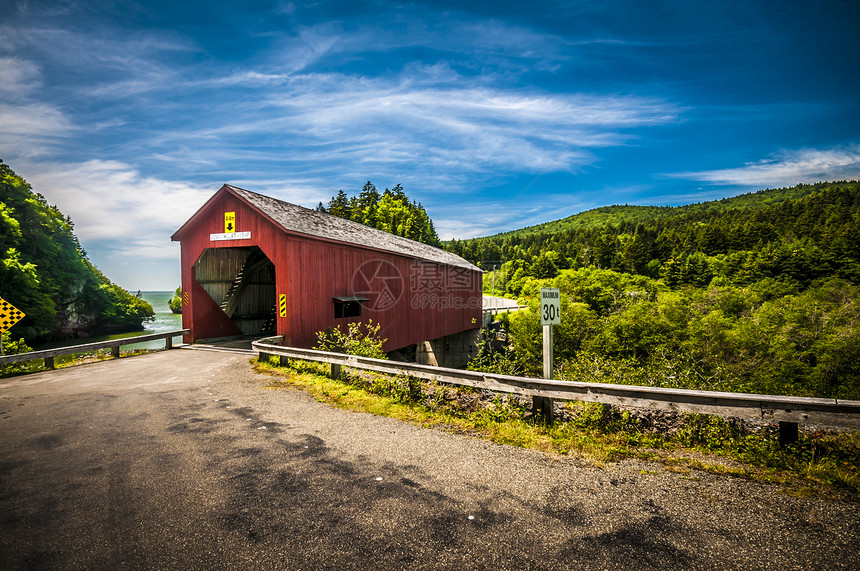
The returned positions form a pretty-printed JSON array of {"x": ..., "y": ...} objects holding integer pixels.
[{"x": 494, "y": 115}]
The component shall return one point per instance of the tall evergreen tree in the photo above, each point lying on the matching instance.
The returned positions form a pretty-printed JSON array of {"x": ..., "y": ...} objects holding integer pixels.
[
  {"x": 391, "y": 211},
  {"x": 339, "y": 205}
]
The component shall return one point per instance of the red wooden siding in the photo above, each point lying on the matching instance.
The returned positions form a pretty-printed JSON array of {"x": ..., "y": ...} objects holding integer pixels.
[{"x": 429, "y": 300}]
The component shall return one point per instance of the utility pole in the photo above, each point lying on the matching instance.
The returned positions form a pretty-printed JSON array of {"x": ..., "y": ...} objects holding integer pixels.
[
  {"x": 495, "y": 263},
  {"x": 494, "y": 279}
]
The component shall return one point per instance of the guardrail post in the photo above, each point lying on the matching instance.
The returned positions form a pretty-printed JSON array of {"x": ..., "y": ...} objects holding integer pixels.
[
  {"x": 49, "y": 362},
  {"x": 542, "y": 406},
  {"x": 114, "y": 351},
  {"x": 168, "y": 342},
  {"x": 787, "y": 433},
  {"x": 284, "y": 361},
  {"x": 335, "y": 371}
]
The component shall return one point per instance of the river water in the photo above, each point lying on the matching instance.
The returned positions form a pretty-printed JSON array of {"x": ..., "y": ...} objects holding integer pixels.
[{"x": 165, "y": 320}]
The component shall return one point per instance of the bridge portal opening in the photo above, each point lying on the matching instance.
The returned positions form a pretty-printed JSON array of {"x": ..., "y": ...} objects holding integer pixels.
[{"x": 241, "y": 281}]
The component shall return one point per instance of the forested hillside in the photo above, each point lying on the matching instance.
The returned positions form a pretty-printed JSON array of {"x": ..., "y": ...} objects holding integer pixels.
[
  {"x": 46, "y": 274},
  {"x": 605, "y": 215},
  {"x": 796, "y": 235},
  {"x": 391, "y": 211},
  {"x": 755, "y": 294}
]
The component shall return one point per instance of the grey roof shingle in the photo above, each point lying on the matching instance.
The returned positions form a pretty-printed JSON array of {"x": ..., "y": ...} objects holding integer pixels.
[{"x": 294, "y": 218}]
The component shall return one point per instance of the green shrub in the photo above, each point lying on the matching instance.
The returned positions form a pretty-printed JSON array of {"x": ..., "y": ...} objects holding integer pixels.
[
  {"x": 354, "y": 341},
  {"x": 14, "y": 348},
  {"x": 175, "y": 304}
]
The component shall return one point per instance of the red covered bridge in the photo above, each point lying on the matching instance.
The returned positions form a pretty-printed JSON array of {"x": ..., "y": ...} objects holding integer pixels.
[{"x": 255, "y": 265}]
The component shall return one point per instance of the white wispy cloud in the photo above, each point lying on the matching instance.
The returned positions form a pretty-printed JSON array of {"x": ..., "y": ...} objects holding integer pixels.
[
  {"x": 492, "y": 45},
  {"x": 421, "y": 119},
  {"x": 475, "y": 129},
  {"x": 32, "y": 130},
  {"x": 20, "y": 77},
  {"x": 788, "y": 168},
  {"x": 107, "y": 49},
  {"x": 111, "y": 63},
  {"x": 28, "y": 127},
  {"x": 488, "y": 217},
  {"x": 124, "y": 218},
  {"x": 474, "y": 219},
  {"x": 32, "y": 119},
  {"x": 401, "y": 127},
  {"x": 113, "y": 204}
]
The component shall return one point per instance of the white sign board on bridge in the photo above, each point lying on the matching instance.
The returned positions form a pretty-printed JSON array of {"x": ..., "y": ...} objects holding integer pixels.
[
  {"x": 230, "y": 236},
  {"x": 550, "y": 306}
]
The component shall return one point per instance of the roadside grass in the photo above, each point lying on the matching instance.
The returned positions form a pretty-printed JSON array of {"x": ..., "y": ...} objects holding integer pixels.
[{"x": 819, "y": 464}]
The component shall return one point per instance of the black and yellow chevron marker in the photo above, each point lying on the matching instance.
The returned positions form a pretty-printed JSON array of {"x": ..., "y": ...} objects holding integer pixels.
[
  {"x": 185, "y": 298},
  {"x": 282, "y": 305},
  {"x": 9, "y": 315}
]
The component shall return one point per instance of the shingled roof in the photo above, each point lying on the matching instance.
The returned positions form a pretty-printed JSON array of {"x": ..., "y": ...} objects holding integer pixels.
[{"x": 301, "y": 220}]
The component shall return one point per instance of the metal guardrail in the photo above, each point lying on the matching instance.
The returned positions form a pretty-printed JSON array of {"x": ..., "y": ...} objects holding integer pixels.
[
  {"x": 114, "y": 344},
  {"x": 497, "y": 310},
  {"x": 801, "y": 410}
]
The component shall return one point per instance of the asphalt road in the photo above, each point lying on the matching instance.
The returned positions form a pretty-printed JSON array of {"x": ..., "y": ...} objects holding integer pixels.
[{"x": 184, "y": 460}]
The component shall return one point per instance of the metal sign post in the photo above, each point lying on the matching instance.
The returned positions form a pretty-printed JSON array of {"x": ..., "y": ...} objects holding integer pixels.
[{"x": 550, "y": 314}]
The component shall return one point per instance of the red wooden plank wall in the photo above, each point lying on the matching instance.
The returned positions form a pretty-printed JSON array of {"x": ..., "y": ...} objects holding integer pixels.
[{"x": 426, "y": 300}]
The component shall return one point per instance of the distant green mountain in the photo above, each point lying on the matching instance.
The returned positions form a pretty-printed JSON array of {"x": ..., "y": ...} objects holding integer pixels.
[
  {"x": 594, "y": 218},
  {"x": 618, "y": 214},
  {"x": 795, "y": 235}
]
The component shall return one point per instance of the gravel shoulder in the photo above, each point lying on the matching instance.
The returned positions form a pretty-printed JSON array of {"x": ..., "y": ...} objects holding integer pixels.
[{"x": 184, "y": 459}]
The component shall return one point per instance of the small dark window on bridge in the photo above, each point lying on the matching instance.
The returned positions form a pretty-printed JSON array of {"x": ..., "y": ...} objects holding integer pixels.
[
  {"x": 348, "y": 306},
  {"x": 348, "y": 309}
]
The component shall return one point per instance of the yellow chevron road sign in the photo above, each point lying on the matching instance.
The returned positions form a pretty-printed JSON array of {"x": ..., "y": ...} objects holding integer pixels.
[{"x": 9, "y": 315}]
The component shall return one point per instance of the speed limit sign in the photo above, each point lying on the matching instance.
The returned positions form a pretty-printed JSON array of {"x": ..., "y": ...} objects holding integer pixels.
[{"x": 550, "y": 306}]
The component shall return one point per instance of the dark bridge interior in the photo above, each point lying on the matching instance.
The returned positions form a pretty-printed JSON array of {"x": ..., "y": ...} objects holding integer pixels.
[{"x": 242, "y": 282}]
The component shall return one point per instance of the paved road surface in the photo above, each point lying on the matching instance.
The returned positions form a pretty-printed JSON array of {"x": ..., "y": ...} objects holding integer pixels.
[{"x": 183, "y": 460}]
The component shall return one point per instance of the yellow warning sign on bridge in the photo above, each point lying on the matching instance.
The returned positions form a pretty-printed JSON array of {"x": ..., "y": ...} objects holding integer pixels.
[
  {"x": 282, "y": 305},
  {"x": 229, "y": 222},
  {"x": 185, "y": 298},
  {"x": 9, "y": 315}
]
